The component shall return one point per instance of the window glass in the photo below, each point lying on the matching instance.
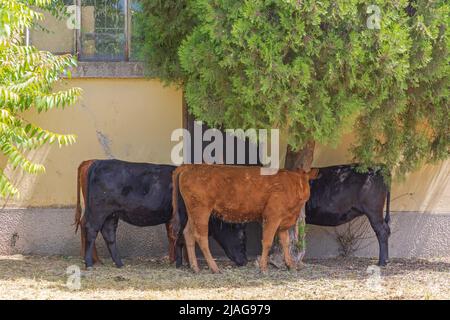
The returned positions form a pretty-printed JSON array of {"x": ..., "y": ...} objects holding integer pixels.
[
  {"x": 136, "y": 32},
  {"x": 102, "y": 34}
]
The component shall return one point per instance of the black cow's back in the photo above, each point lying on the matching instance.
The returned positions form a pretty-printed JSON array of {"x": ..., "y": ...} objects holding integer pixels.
[
  {"x": 340, "y": 193},
  {"x": 140, "y": 193}
]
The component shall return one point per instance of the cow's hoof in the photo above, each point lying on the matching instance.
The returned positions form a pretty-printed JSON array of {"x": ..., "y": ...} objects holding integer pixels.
[
  {"x": 291, "y": 268},
  {"x": 382, "y": 263},
  {"x": 119, "y": 265},
  {"x": 300, "y": 265},
  {"x": 216, "y": 271},
  {"x": 195, "y": 269},
  {"x": 241, "y": 263},
  {"x": 264, "y": 272}
]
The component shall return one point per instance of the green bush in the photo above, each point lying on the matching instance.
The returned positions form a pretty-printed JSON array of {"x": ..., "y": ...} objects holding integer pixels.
[{"x": 26, "y": 79}]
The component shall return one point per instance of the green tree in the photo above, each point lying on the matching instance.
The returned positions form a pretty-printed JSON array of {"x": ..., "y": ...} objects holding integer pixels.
[
  {"x": 312, "y": 69},
  {"x": 26, "y": 79},
  {"x": 162, "y": 26}
]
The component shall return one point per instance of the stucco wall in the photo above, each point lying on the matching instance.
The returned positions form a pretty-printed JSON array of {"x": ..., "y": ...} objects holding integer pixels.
[
  {"x": 49, "y": 231},
  {"x": 57, "y": 37},
  {"x": 129, "y": 119},
  {"x": 132, "y": 119},
  {"x": 426, "y": 190}
]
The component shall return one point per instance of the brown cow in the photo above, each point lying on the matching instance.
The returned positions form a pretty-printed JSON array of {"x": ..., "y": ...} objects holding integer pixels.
[{"x": 240, "y": 194}]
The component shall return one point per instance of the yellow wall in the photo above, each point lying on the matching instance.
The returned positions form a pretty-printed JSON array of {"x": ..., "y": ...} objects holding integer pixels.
[
  {"x": 426, "y": 190},
  {"x": 132, "y": 119},
  {"x": 127, "y": 119},
  {"x": 57, "y": 38}
]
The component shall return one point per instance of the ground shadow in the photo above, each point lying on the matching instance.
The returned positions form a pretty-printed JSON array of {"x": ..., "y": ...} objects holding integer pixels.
[{"x": 158, "y": 274}]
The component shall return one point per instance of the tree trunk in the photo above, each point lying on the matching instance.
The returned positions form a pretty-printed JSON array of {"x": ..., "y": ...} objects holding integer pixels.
[{"x": 301, "y": 159}]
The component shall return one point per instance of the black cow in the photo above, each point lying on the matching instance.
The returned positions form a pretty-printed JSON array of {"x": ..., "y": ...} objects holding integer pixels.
[
  {"x": 340, "y": 194},
  {"x": 140, "y": 194}
]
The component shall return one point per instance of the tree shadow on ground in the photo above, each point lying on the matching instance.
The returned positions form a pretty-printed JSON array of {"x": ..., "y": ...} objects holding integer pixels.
[{"x": 158, "y": 274}]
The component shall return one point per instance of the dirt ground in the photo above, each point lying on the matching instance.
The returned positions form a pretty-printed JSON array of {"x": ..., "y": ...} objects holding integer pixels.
[{"x": 43, "y": 277}]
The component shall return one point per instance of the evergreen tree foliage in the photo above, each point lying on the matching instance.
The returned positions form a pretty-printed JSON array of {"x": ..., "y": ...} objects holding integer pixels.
[
  {"x": 314, "y": 69},
  {"x": 162, "y": 26}
]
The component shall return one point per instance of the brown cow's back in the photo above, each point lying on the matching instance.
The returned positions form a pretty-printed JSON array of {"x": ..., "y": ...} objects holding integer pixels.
[{"x": 239, "y": 194}]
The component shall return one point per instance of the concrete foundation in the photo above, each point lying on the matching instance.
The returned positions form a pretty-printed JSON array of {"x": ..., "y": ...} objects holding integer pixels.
[{"x": 48, "y": 231}]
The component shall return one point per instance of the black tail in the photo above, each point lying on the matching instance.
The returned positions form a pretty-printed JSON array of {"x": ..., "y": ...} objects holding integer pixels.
[
  {"x": 387, "y": 218},
  {"x": 175, "y": 221},
  {"x": 387, "y": 182},
  {"x": 179, "y": 216}
]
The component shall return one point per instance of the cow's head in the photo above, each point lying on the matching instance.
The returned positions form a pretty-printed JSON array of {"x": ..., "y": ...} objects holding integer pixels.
[{"x": 233, "y": 240}]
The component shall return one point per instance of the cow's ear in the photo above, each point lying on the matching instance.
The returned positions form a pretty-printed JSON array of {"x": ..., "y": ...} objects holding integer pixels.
[{"x": 313, "y": 173}]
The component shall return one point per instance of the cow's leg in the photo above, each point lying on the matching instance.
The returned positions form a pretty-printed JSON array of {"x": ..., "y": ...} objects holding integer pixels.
[
  {"x": 179, "y": 252},
  {"x": 91, "y": 235},
  {"x": 109, "y": 229},
  {"x": 284, "y": 240},
  {"x": 190, "y": 245},
  {"x": 269, "y": 230},
  {"x": 185, "y": 254},
  {"x": 95, "y": 257},
  {"x": 171, "y": 237},
  {"x": 83, "y": 237},
  {"x": 383, "y": 232},
  {"x": 201, "y": 236}
]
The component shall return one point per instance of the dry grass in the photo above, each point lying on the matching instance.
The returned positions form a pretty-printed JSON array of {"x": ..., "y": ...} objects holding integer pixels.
[{"x": 39, "y": 277}]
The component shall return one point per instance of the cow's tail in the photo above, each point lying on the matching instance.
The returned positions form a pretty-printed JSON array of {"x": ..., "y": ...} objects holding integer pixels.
[
  {"x": 387, "y": 217},
  {"x": 83, "y": 168},
  {"x": 176, "y": 196},
  {"x": 77, "y": 221},
  {"x": 387, "y": 180}
]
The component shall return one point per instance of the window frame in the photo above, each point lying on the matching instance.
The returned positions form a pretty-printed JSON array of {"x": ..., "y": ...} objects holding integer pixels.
[{"x": 127, "y": 33}]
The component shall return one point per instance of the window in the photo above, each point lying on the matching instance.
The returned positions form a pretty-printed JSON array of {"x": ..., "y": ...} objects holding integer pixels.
[
  {"x": 97, "y": 30},
  {"x": 103, "y": 30},
  {"x": 106, "y": 29}
]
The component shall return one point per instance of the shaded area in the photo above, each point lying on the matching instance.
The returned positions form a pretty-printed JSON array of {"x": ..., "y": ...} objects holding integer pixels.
[{"x": 45, "y": 277}]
